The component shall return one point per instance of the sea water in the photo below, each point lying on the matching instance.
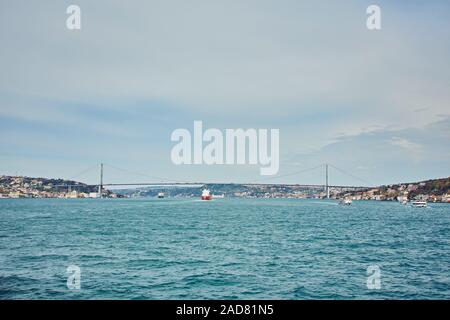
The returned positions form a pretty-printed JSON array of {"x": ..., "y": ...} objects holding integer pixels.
[{"x": 222, "y": 249}]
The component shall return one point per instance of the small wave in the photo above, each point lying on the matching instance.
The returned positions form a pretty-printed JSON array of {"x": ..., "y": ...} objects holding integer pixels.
[
  {"x": 16, "y": 286},
  {"x": 211, "y": 279}
]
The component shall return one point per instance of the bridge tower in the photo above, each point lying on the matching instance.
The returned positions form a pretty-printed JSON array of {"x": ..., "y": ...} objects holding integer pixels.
[
  {"x": 327, "y": 188},
  {"x": 100, "y": 187}
]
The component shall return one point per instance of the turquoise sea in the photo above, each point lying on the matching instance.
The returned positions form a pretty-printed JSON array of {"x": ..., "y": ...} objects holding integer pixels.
[{"x": 222, "y": 249}]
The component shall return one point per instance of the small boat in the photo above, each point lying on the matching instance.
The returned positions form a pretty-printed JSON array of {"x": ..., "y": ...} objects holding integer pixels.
[
  {"x": 419, "y": 204},
  {"x": 206, "y": 195},
  {"x": 345, "y": 202},
  {"x": 160, "y": 195},
  {"x": 403, "y": 200}
]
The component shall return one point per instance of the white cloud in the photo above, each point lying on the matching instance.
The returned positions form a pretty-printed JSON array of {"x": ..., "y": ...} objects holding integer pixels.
[{"x": 406, "y": 144}]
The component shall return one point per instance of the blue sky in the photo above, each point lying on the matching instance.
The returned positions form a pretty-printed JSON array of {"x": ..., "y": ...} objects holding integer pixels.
[{"x": 374, "y": 103}]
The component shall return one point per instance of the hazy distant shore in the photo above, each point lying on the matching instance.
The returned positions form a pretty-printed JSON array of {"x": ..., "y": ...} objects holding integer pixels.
[{"x": 436, "y": 190}]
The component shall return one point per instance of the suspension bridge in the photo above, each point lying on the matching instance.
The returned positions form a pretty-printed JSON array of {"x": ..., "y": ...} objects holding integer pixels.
[{"x": 162, "y": 182}]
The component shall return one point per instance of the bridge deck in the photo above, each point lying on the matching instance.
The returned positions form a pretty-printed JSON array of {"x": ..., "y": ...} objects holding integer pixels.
[{"x": 200, "y": 184}]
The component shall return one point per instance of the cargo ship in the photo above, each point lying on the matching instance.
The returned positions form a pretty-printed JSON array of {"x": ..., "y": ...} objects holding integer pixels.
[{"x": 206, "y": 195}]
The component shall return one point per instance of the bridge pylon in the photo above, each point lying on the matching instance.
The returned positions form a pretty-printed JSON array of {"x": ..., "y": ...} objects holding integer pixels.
[{"x": 100, "y": 187}]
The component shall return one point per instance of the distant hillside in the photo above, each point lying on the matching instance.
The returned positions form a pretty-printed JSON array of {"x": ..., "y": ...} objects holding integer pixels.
[
  {"x": 434, "y": 190},
  {"x": 28, "y": 187},
  {"x": 232, "y": 190},
  {"x": 41, "y": 184},
  {"x": 437, "y": 187}
]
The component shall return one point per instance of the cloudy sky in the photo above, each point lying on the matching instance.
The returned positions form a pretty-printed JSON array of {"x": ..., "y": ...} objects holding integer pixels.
[{"x": 374, "y": 103}]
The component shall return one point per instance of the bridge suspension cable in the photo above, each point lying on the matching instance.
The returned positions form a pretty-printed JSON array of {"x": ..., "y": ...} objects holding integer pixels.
[
  {"x": 166, "y": 181},
  {"x": 291, "y": 173},
  {"x": 83, "y": 172},
  {"x": 351, "y": 175},
  {"x": 140, "y": 174}
]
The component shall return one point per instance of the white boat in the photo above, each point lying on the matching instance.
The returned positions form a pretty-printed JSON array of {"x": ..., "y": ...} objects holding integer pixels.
[
  {"x": 345, "y": 202},
  {"x": 419, "y": 204},
  {"x": 160, "y": 195},
  {"x": 403, "y": 199}
]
